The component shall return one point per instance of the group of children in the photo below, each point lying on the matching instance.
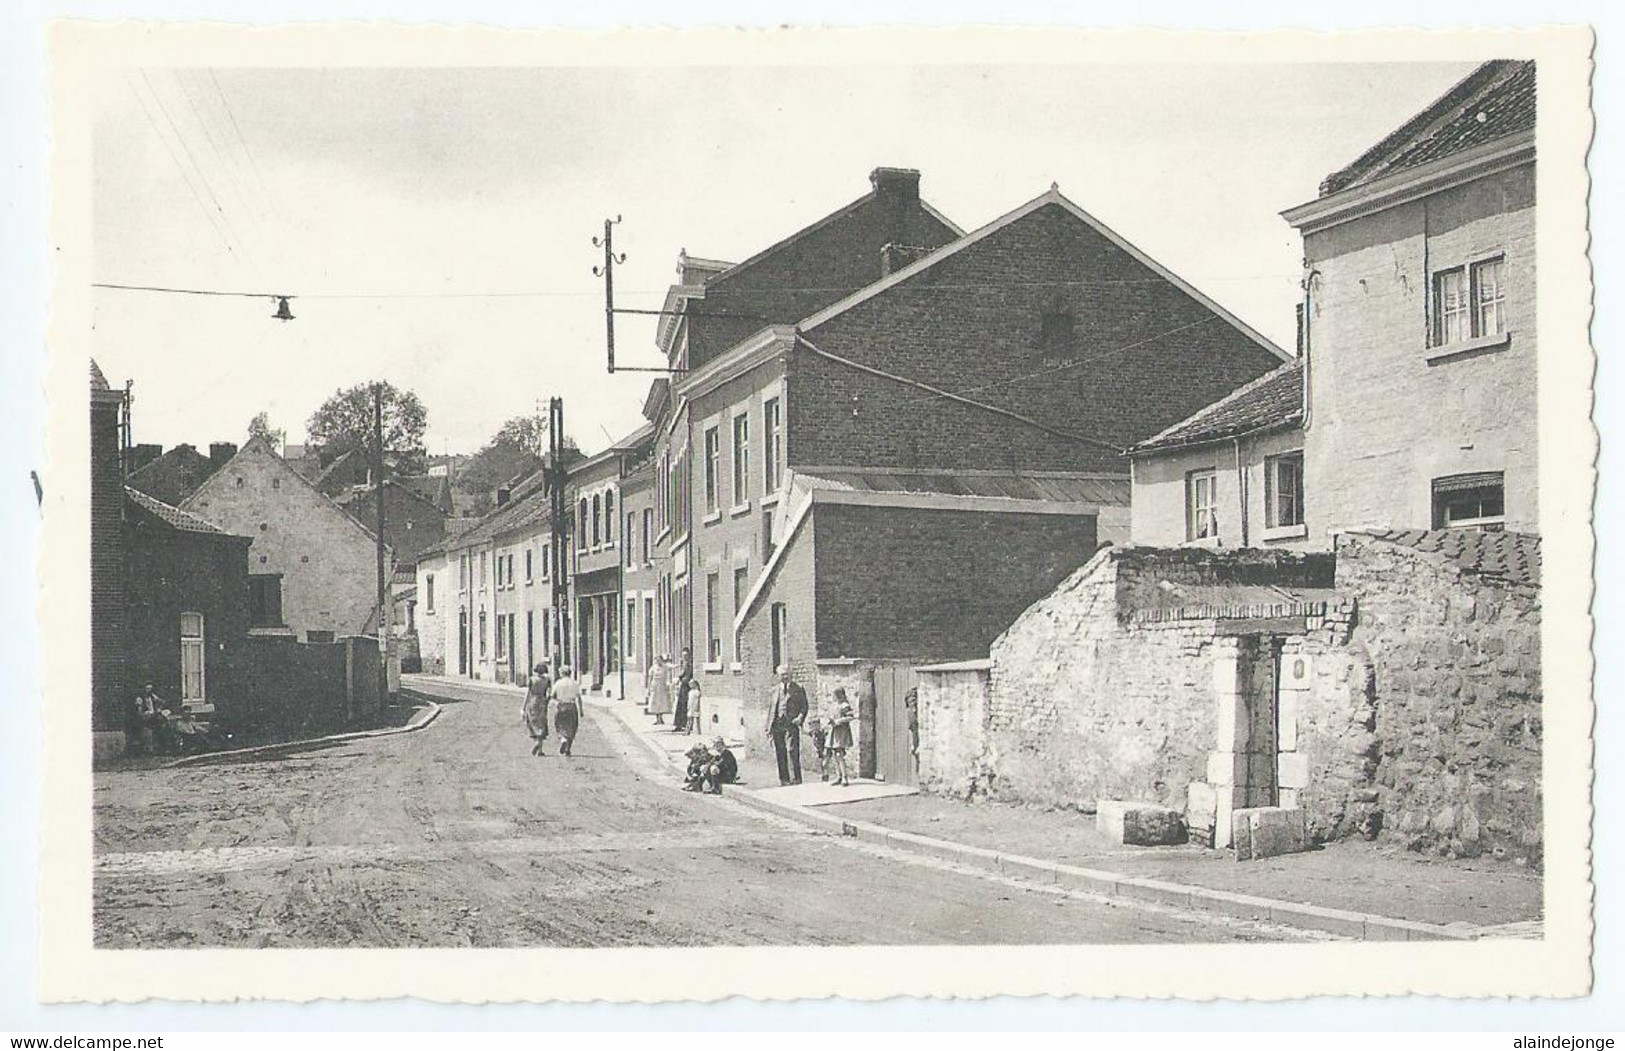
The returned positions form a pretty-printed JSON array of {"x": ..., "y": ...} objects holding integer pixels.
[{"x": 710, "y": 767}]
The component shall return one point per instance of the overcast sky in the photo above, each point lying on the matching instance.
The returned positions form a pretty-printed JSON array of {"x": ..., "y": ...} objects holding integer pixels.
[{"x": 393, "y": 203}]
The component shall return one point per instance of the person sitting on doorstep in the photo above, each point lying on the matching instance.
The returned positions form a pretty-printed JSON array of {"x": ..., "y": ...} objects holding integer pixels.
[
  {"x": 190, "y": 735},
  {"x": 699, "y": 759},
  {"x": 721, "y": 768}
]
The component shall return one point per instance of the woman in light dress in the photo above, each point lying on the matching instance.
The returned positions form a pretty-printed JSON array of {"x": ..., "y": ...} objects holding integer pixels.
[{"x": 659, "y": 690}]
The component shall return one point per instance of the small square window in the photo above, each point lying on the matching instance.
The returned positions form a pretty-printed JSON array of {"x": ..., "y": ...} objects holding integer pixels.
[
  {"x": 276, "y": 483},
  {"x": 1469, "y": 302}
]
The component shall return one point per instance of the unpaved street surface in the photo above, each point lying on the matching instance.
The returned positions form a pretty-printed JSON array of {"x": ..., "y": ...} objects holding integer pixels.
[{"x": 455, "y": 835}]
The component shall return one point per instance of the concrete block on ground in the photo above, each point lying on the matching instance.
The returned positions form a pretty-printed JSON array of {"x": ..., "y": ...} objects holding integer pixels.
[
  {"x": 1264, "y": 832},
  {"x": 1139, "y": 824}
]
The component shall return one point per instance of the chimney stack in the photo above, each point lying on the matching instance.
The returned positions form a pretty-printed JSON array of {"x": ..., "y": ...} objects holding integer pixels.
[
  {"x": 897, "y": 197},
  {"x": 220, "y": 452},
  {"x": 503, "y": 495}
]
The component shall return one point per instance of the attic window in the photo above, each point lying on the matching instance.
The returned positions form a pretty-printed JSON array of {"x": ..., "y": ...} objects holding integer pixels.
[
  {"x": 239, "y": 481},
  {"x": 1056, "y": 338},
  {"x": 276, "y": 483}
]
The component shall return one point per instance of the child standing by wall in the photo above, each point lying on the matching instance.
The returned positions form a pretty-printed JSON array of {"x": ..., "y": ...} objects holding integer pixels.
[{"x": 840, "y": 735}]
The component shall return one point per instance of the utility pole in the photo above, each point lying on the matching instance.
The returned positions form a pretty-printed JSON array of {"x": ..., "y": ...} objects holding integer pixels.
[
  {"x": 607, "y": 272},
  {"x": 378, "y": 492},
  {"x": 559, "y": 545}
]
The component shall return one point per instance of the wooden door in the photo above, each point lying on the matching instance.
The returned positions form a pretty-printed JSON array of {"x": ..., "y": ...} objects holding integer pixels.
[{"x": 894, "y": 745}]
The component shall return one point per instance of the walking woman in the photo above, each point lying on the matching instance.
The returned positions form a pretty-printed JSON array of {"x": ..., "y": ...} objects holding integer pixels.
[
  {"x": 534, "y": 710},
  {"x": 567, "y": 709},
  {"x": 840, "y": 735}
]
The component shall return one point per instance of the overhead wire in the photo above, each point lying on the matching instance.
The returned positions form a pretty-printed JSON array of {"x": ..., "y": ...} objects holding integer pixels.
[
  {"x": 214, "y": 222},
  {"x": 225, "y": 220}
]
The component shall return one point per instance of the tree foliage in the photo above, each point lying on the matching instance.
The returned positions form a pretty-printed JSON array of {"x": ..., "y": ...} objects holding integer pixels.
[
  {"x": 260, "y": 427},
  {"x": 344, "y": 422}
]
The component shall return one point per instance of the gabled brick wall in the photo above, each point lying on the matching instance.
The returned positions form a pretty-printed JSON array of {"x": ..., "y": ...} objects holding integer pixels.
[
  {"x": 817, "y": 268},
  {"x": 972, "y": 322}
]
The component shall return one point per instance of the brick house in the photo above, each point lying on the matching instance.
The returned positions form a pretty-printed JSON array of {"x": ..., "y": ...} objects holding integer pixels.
[
  {"x": 492, "y": 587},
  {"x": 169, "y": 591},
  {"x": 187, "y": 595},
  {"x": 312, "y": 566},
  {"x": 1420, "y": 326},
  {"x": 949, "y": 444}
]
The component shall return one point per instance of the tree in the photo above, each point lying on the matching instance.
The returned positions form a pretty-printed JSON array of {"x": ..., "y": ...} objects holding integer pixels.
[
  {"x": 344, "y": 422},
  {"x": 517, "y": 449},
  {"x": 260, "y": 427}
]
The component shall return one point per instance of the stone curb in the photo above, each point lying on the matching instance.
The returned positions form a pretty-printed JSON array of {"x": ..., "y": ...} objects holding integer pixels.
[{"x": 415, "y": 723}]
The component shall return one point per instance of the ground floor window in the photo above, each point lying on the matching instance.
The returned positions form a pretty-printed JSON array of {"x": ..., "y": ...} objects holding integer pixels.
[
  {"x": 713, "y": 637},
  {"x": 1283, "y": 490},
  {"x": 1201, "y": 505},
  {"x": 192, "y": 674},
  {"x": 1470, "y": 501}
]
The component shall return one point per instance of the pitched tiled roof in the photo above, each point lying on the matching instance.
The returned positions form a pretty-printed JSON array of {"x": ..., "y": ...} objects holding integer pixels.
[
  {"x": 1495, "y": 100},
  {"x": 1274, "y": 399},
  {"x": 182, "y": 520},
  {"x": 1510, "y": 557}
]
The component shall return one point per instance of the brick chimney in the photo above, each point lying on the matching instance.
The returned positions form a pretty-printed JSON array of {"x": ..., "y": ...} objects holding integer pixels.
[
  {"x": 504, "y": 494},
  {"x": 220, "y": 452},
  {"x": 897, "y": 192}
]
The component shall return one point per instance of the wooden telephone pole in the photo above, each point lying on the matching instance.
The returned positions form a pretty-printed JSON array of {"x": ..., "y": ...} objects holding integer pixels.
[
  {"x": 561, "y": 520},
  {"x": 383, "y": 585}
]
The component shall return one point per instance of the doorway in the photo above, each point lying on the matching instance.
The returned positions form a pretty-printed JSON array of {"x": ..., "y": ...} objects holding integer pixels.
[
  {"x": 894, "y": 741},
  {"x": 1261, "y": 681}
]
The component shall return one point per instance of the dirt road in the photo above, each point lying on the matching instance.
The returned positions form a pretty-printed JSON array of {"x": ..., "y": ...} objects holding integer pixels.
[{"x": 456, "y": 835}]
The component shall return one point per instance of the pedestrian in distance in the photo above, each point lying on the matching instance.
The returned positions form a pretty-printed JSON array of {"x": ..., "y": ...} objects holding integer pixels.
[
  {"x": 679, "y": 714},
  {"x": 695, "y": 695},
  {"x": 659, "y": 690},
  {"x": 534, "y": 710},
  {"x": 786, "y": 711},
  {"x": 566, "y": 694},
  {"x": 840, "y": 735}
]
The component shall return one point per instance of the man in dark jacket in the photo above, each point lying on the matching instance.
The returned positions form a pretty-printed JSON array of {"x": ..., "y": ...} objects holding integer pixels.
[{"x": 785, "y": 714}]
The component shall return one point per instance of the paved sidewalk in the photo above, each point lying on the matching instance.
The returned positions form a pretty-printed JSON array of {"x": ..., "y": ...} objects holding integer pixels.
[{"x": 1348, "y": 875}]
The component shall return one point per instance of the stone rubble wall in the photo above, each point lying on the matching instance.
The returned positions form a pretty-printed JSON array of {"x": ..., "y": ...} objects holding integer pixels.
[
  {"x": 1409, "y": 704},
  {"x": 1456, "y": 737}
]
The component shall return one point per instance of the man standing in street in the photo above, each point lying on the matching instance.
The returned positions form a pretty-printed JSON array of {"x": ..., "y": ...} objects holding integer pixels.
[
  {"x": 566, "y": 694},
  {"x": 785, "y": 714}
]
